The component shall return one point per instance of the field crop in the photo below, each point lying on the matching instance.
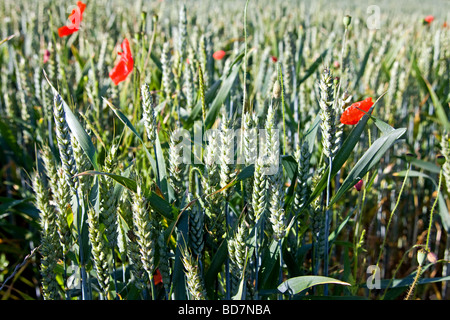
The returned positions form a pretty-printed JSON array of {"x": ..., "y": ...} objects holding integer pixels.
[{"x": 206, "y": 150}]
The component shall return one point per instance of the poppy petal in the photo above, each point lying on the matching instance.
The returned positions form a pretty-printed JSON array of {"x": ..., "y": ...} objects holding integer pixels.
[
  {"x": 125, "y": 65},
  {"x": 429, "y": 19},
  {"x": 66, "y": 31},
  {"x": 119, "y": 73},
  {"x": 352, "y": 114},
  {"x": 157, "y": 278},
  {"x": 75, "y": 19},
  {"x": 359, "y": 185},
  {"x": 219, "y": 55}
]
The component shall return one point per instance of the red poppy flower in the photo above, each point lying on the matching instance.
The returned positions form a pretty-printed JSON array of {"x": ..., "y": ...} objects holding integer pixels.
[
  {"x": 274, "y": 59},
  {"x": 428, "y": 19},
  {"x": 75, "y": 20},
  {"x": 125, "y": 65},
  {"x": 157, "y": 278},
  {"x": 359, "y": 185},
  {"x": 352, "y": 115},
  {"x": 46, "y": 56},
  {"x": 218, "y": 55}
]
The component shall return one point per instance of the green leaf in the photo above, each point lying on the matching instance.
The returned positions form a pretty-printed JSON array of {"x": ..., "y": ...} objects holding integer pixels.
[
  {"x": 156, "y": 61},
  {"x": 246, "y": 173},
  {"x": 209, "y": 96},
  {"x": 214, "y": 268},
  {"x": 178, "y": 276},
  {"x": 240, "y": 293},
  {"x": 343, "y": 154},
  {"x": 425, "y": 165},
  {"x": 408, "y": 281},
  {"x": 80, "y": 134},
  {"x": 383, "y": 126},
  {"x": 440, "y": 111},
  {"x": 162, "y": 206},
  {"x": 221, "y": 96},
  {"x": 8, "y": 140},
  {"x": 310, "y": 136},
  {"x": 162, "y": 174},
  {"x": 159, "y": 173},
  {"x": 313, "y": 67},
  {"x": 290, "y": 165},
  {"x": 77, "y": 131},
  {"x": 443, "y": 210},
  {"x": 362, "y": 68},
  {"x": 367, "y": 161},
  {"x": 268, "y": 262},
  {"x": 157, "y": 203},
  {"x": 126, "y": 182},
  {"x": 299, "y": 284},
  {"x": 335, "y": 233},
  {"x": 8, "y": 203}
]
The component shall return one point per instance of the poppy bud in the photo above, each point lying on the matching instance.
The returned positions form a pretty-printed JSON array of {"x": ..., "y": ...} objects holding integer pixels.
[
  {"x": 421, "y": 254},
  {"x": 428, "y": 19},
  {"x": 144, "y": 15},
  {"x": 46, "y": 56},
  {"x": 219, "y": 55},
  {"x": 347, "y": 20},
  {"x": 276, "y": 92},
  {"x": 409, "y": 157},
  {"x": 359, "y": 185},
  {"x": 431, "y": 256},
  {"x": 440, "y": 160}
]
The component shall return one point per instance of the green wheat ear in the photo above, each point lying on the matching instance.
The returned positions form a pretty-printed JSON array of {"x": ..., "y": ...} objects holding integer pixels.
[
  {"x": 148, "y": 114},
  {"x": 259, "y": 191},
  {"x": 144, "y": 230},
  {"x": 276, "y": 203},
  {"x": 192, "y": 272},
  {"x": 167, "y": 74},
  {"x": 50, "y": 247},
  {"x": 327, "y": 114},
  {"x": 176, "y": 163},
  {"x": 108, "y": 201},
  {"x": 98, "y": 250},
  {"x": 445, "y": 149},
  {"x": 196, "y": 228}
]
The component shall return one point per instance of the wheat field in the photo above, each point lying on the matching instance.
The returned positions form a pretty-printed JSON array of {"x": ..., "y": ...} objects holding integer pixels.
[{"x": 241, "y": 150}]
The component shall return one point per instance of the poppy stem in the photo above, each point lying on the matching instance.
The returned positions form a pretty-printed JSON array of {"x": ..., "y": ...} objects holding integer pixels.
[
  {"x": 391, "y": 215},
  {"x": 427, "y": 244}
]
